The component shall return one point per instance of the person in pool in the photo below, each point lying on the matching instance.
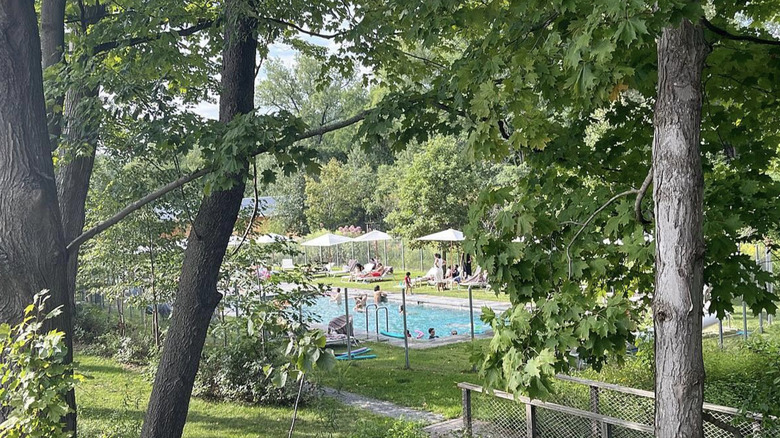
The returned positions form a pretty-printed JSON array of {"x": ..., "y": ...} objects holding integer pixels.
[
  {"x": 454, "y": 332},
  {"x": 337, "y": 297},
  {"x": 432, "y": 333},
  {"x": 408, "y": 335},
  {"x": 379, "y": 296},
  {"x": 401, "y": 309},
  {"x": 360, "y": 303}
]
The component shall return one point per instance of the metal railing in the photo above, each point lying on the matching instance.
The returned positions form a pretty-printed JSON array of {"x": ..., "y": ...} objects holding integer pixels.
[{"x": 587, "y": 408}]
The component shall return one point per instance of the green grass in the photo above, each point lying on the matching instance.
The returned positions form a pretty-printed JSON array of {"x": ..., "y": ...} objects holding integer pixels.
[
  {"x": 431, "y": 384},
  {"x": 113, "y": 400},
  {"x": 391, "y": 285}
]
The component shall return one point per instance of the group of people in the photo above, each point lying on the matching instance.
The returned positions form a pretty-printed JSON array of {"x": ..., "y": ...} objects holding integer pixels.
[
  {"x": 373, "y": 269},
  {"x": 443, "y": 275}
]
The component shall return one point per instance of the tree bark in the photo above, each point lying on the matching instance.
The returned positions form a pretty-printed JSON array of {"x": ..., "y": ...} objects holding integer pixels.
[
  {"x": 197, "y": 297},
  {"x": 32, "y": 244},
  {"x": 52, "y": 51},
  {"x": 678, "y": 196}
]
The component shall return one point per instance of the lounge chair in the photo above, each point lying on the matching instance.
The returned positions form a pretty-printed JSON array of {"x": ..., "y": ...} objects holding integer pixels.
[
  {"x": 338, "y": 340},
  {"x": 287, "y": 264},
  {"x": 478, "y": 281},
  {"x": 339, "y": 325},
  {"x": 344, "y": 269},
  {"x": 387, "y": 274}
]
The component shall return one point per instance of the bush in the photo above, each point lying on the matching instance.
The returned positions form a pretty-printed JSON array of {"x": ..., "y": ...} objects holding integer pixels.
[
  {"x": 134, "y": 350},
  {"x": 237, "y": 373},
  {"x": 35, "y": 376},
  {"x": 89, "y": 324}
]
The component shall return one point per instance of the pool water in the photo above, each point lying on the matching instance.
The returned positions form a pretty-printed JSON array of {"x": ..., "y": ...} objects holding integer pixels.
[{"x": 418, "y": 317}]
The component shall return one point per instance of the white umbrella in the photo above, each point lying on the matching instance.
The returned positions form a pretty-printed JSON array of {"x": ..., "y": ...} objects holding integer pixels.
[
  {"x": 329, "y": 239},
  {"x": 448, "y": 235},
  {"x": 375, "y": 236},
  {"x": 271, "y": 238}
]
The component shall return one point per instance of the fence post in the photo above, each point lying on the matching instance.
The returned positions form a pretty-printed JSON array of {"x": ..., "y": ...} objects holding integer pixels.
[
  {"x": 594, "y": 407},
  {"x": 606, "y": 430},
  {"x": 530, "y": 420},
  {"x": 467, "y": 424}
]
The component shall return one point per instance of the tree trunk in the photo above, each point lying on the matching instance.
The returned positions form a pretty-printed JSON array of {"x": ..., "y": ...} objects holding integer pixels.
[
  {"x": 678, "y": 195},
  {"x": 197, "y": 297},
  {"x": 32, "y": 245},
  {"x": 52, "y": 50}
]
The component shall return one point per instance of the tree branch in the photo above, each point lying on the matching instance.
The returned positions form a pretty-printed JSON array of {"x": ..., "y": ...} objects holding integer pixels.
[
  {"x": 327, "y": 36},
  {"x": 109, "y": 45},
  {"x": 593, "y": 215},
  {"x": 726, "y": 34},
  {"x": 162, "y": 191},
  {"x": 254, "y": 211},
  {"x": 641, "y": 195}
]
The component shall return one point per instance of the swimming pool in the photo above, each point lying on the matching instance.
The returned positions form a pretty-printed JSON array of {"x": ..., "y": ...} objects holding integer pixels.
[{"x": 418, "y": 317}]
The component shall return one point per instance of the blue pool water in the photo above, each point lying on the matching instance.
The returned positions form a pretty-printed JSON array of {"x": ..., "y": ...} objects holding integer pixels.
[{"x": 418, "y": 317}]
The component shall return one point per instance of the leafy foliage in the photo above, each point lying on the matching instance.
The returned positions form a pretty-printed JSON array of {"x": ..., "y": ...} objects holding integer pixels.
[
  {"x": 568, "y": 88},
  {"x": 270, "y": 342},
  {"x": 435, "y": 188},
  {"x": 34, "y": 374}
]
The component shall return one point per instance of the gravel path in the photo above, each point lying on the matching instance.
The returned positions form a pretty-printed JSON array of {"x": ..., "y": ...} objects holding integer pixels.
[{"x": 384, "y": 408}]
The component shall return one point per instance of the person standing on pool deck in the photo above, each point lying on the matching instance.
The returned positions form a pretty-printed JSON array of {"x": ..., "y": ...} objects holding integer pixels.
[
  {"x": 467, "y": 266},
  {"x": 408, "y": 284}
]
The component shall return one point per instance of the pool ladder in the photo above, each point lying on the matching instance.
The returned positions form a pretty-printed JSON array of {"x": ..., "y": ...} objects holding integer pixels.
[{"x": 376, "y": 318}]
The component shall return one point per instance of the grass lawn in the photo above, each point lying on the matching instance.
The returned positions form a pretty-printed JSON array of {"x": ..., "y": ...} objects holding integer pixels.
[
  {"x": 112, "y": 403},
  {"x": 431, "y": 384},
  {"x": 392, "y": 285}
]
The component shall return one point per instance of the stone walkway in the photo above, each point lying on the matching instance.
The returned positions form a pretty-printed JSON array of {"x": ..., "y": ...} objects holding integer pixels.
[{"x": 384, "y": 408}]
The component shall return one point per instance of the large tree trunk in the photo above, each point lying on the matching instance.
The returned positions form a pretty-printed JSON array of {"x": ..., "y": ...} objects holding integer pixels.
[
  {"x": 678, "y": 194},
  {"x": 52, "y": 50},
  {"x": 197, "y": 297},
  {"x": 32, "y": 246},
  {"x": 74, "y": 174}
]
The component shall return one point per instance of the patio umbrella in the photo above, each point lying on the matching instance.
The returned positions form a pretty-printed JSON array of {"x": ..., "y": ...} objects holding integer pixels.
[
  {"x": 327, "y": 240},
  {"x": 375, "y": 236},
  {"x": 448, "y": 235}
]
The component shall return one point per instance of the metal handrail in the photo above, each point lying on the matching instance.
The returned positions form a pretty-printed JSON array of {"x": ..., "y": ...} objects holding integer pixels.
[
  {"x": 387, "y": 319},
  {"x": 368, "y": 307}
]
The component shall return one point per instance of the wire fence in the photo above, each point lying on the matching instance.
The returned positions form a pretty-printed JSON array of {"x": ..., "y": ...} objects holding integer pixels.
[{"x": 586, "y": 408}]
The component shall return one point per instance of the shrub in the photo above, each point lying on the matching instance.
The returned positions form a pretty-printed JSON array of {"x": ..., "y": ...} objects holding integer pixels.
[
  {"x": 89, "y": 324},
  {"x": 134, "y": 350},
  {"x": 237, "y": 373},
  {"x": 35, "y": 376}
]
